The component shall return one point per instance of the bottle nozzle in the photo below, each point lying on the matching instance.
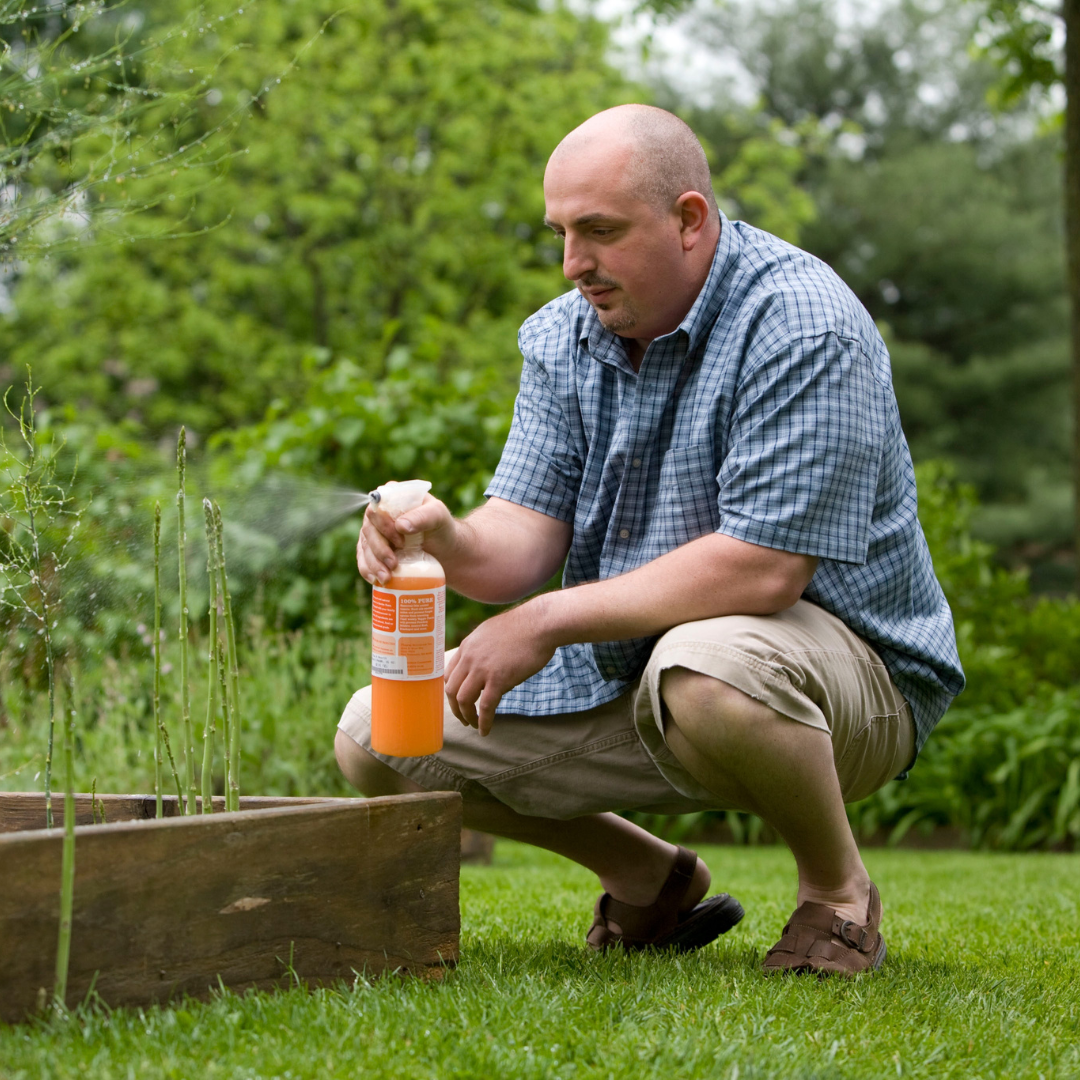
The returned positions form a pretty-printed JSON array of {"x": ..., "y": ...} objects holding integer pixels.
[{"x": 399, "y": 497}]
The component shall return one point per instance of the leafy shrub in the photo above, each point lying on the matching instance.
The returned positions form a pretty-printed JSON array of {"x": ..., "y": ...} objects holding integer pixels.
[
  {"x": 1011, "y": 779},
  {"x": 1004, "y": 763},
  {"x": 361, "y": 432},
  {"x": 1012, "y": 645}
]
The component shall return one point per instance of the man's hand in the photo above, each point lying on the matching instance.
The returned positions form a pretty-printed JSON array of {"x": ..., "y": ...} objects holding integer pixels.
[
  {"x": 497, "y": 656},
  {"x": 380, "y": 536}
]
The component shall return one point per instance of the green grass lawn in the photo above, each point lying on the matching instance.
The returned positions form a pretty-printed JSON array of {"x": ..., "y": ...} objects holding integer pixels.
[{"x": 982, "y": 980}]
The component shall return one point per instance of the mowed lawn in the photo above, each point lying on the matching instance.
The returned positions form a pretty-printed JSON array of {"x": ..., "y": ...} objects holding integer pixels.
[{"x": 982, "y": 980}]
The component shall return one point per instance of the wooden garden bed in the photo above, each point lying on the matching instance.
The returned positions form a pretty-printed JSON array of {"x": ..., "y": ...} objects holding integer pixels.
[{"x": 313, "y": 889}]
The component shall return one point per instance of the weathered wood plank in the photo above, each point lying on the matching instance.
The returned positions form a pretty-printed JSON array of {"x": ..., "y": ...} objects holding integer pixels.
[
  {"x": 21, "y": 810},
  {"x": 166, "y": 907},
  {"x": 26, "y": 810}
]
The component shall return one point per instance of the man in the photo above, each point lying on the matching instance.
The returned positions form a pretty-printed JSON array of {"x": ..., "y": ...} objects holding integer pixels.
[{"x": 706, "y": 432}]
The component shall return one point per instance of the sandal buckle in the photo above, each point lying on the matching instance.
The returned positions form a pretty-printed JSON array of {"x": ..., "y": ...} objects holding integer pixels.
[{"x": 845, "y": 935}]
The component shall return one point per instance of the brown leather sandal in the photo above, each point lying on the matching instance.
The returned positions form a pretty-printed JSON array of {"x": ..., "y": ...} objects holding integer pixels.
[
  {"x": 820, "y": 940},
  {"x": 659, "y": 925}
]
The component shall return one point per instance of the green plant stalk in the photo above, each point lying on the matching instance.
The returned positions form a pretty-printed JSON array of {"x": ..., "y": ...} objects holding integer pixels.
[
  {"x": 211, "y": 692},
  {"x": 162, "y": 732},
  {"x": 30, "y": 497},
  {"x": 185, "y": 700},
  {"x": 67, "y": 866},
  {"x": 233, "y": 780},
  {"x": 214, "y": 523},
  {"x": 159, "y": 810},
  {"x": 50, "y": 666},
  {"x": 172, "y": 767},
  {"x": 225, "y": 721}
]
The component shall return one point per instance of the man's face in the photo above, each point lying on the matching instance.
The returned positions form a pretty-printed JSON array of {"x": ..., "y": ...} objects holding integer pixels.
[{"x": 624, "y": 255}]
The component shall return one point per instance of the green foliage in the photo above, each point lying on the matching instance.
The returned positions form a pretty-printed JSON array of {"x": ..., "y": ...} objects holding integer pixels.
[
  {"x": 760, "y": 185},
  {"x": 385, "y": 194},
  {"x": 1019, "y": 35},
  {"x": 974, "y": 252},
  {"x": 1004, "y": 763},
  {"x": 1010, "y": 780},
  {"x": 1013, "y": 646},
  {"x": 945, "y": 218},
  {"x": 409, "y": 422},
  {"x": 87, "y": 103},
  {"x": 360, "y": 433},
  {"x": 295, "y": 685}
]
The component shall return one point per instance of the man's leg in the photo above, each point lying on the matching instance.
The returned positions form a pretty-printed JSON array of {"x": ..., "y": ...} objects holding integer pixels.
[
  {"x": 631, "y": 863},
  {"x": 752, "y": 758}
]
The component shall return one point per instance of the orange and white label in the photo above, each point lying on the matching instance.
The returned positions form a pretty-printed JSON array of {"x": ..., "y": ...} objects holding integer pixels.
[{"x": 408, "y": 633}]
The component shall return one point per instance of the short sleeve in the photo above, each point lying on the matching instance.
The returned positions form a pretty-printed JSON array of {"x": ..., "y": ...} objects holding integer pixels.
[
  {"x": 804, "y": 451},
  {"x": 540, "y": 467}
]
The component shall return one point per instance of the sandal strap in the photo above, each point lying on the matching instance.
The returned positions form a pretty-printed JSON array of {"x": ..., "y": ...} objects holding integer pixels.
[
  {"x": 615, "y": 922},
  {"x": 818, "y": 938}
]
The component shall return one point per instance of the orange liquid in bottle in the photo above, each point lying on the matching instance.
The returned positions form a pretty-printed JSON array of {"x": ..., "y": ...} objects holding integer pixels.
[{"x": 407, "y": 715}]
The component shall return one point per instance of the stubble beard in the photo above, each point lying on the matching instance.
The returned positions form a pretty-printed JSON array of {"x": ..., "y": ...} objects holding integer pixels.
[{"x": 620, "y": 320}]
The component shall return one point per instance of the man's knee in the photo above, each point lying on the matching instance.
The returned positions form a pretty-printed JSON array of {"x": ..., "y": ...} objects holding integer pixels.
[
  {"x": 367, "y": 773},
  {"x": 696, "y": 701}
]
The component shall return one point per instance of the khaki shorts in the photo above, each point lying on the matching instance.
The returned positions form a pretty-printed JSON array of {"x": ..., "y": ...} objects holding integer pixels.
[{"x": 804, "y": 663}]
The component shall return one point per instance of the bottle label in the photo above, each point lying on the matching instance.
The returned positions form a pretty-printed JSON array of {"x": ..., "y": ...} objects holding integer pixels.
[{"x": 408, "y": 637}]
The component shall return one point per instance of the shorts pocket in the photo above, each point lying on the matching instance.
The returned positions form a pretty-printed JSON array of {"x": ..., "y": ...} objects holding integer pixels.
[{"x": 876, "y": 755}]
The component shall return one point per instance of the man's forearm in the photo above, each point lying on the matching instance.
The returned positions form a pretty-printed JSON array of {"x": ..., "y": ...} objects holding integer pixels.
[
  {"x": 711, "y": 576},
  {"x": 500, "y": 552}
]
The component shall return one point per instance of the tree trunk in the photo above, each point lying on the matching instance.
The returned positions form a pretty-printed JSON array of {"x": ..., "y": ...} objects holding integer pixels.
[{"x": 1071, "y": 10}]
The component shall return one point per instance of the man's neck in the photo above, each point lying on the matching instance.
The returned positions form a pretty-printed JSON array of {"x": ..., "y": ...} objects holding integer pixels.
[{"x": 635, "y": 351}]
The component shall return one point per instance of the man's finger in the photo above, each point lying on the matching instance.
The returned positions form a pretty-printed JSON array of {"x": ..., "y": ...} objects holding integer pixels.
[
  {"x": 489, "y": 699},
  {"x": 379, "y": 554},
  {"x": 450, "y": 666},
  {"x": 467, "y": 694},
  {"x": 367, "y": 566},
  {"x": 452, "y": 681}
]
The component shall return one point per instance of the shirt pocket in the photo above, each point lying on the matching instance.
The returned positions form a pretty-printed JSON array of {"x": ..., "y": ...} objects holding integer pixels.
[{"x": 686, "y": 502}]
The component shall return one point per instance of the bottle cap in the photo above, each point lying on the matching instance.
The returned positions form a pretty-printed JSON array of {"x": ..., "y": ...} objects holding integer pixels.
[{"x": 398, "y": 497}]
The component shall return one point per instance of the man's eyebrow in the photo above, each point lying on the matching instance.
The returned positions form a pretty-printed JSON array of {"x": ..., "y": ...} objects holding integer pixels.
[{"x": 585, "y": 219}]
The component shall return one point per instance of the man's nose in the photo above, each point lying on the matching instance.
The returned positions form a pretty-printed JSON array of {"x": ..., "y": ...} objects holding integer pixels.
[{"x": 577, "y": 260}]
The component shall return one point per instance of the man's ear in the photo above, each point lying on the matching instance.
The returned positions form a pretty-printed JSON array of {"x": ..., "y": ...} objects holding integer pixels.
[{"x": 693, "y": 211}]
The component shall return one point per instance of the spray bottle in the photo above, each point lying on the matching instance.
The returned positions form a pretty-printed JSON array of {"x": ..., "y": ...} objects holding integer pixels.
[{"x": 408, "y": 617}]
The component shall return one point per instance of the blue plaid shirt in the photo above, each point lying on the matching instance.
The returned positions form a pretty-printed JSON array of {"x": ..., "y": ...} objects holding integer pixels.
[{"x": 769, "y": 416}]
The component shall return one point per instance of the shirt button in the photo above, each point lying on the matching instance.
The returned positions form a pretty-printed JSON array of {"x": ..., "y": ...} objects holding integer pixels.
[
  {"x": 636, "y": 463},
  {"x": 624, "y": 533},
  {"x": 610, "y": 669}
]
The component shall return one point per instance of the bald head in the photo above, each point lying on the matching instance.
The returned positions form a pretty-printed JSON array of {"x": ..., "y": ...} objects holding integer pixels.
[{"x": 651, "y": 151}]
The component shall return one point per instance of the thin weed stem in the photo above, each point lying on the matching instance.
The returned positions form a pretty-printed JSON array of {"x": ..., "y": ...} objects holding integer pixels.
[
  {"x": 185, "y": 699},
  {"x": 232, "y": 793},
  {"x": 159, "y": 810},
  {"x": 214, "y": 658}
]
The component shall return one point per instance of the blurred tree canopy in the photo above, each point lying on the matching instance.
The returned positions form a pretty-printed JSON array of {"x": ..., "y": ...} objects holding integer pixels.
[
  {"x": 943, "y": 214},
  {"x": 385, "y": 192}
]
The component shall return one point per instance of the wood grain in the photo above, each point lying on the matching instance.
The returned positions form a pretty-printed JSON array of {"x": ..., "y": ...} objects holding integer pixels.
[
  {"x": 326, "y": 888},
  {"x": 21, "y": 810}
]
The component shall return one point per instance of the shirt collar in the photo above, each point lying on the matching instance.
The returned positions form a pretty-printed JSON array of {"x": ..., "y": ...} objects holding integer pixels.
[{"x": 604, "y": 345}]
